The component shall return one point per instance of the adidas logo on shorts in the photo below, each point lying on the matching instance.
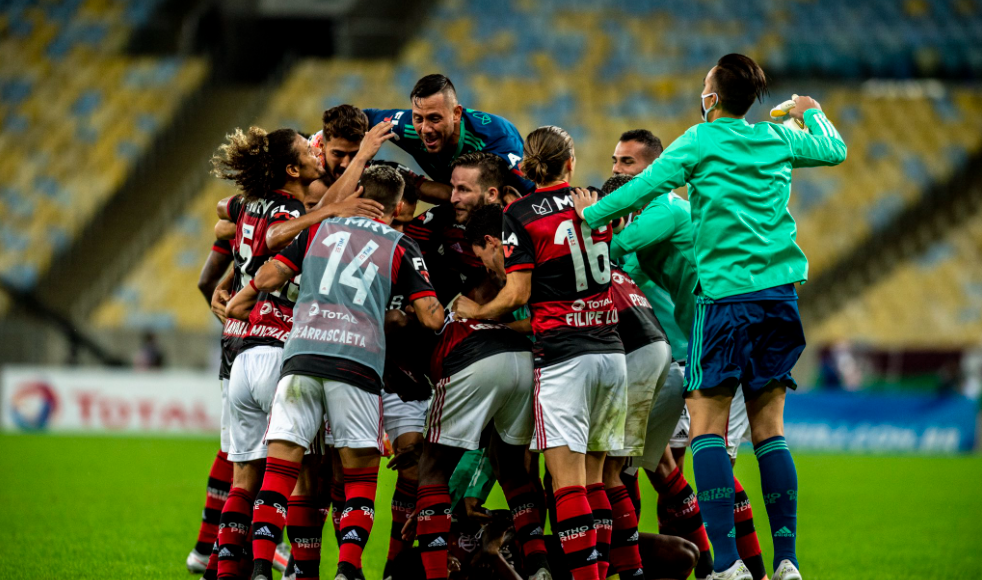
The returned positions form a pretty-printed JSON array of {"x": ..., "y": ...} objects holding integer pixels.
[
  {"x": 438, "y": 543},
  {"x": 351, "y": 536}
]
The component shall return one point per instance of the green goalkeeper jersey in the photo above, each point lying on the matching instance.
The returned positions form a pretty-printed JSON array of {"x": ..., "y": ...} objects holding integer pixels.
[
  {"x": 661, "y": 238},
  {"x": 739, "y": 178}
]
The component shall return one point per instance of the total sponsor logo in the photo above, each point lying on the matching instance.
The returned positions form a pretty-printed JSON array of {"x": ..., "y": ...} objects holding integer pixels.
[
  {"x": 591, "y": 313},
  {"x": 315, "y": 311},
  {"x": 33, "y": 406}
]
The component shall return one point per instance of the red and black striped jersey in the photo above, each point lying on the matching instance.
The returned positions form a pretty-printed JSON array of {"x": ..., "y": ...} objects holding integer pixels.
[
  {"x": 572, "y": 308},
  {"x": 454, "y": 267},
  {"x": 410, "y": 281},
  {"x": 463, "y": 342},
  {"x": 272, "y": 317},
  {"x": 637, "y": 323}
]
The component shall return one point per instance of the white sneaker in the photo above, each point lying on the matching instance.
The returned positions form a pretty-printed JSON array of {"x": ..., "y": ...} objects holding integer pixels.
[
  {"x": 281, "y": 557},
  {"x": 738, "y": 571},
  {"x": 197, "y": 563},
  {"x": 786, "y": 571}
]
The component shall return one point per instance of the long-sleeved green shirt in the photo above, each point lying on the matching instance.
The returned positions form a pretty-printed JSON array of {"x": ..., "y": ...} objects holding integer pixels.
[
  {"x": 661, "y": 303},
  {"x": 739, "y": 178},
  {"x": 661, "y": 237}
]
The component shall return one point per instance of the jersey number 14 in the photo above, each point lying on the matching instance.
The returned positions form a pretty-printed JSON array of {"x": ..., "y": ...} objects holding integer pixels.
[{"x": 349, "y": 276}]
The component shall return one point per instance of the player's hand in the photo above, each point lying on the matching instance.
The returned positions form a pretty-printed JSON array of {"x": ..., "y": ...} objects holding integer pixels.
[
  {"x": 802, "y": 104},
  {"x": 219, "y": 300},
  {"x": 406, "y": 457},
  {"x": 475, "y": 511},
  {"x": 409, "y": 528},
  {"x": 464, "y": 307},
  {"x": 356, "y": 206},
  {"x": 582, "y": 199},
  {"x": 373, "y": 140}
]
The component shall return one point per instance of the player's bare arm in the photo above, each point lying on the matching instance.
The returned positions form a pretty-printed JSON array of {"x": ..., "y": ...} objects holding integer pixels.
[
  {"x": 429, "y": 312},
  {"x": 211, "y": 273},
  {"x": 240, "y": 306},
  {"x": 224, "y": 230},
  {"x": 222, "y": 208},
  {"x": 435, "y": 193},
  {"x": 523, "y": 326},
  {"x": 220, "y": 297},
  {"x": 516, "y": 292},
  {"x": 582, "y": 199},
  {"x": 280, "y": 235},
  {"x": 272, "y": 276},
  {"x": 346, "y": 185}
]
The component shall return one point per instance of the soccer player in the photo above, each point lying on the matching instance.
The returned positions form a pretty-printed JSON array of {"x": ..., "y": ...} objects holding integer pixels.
[
  {"x": 635, "y": 150},
  {"x": 560, "y": 267},
  {"x": 220, "y": 475},
  {"x": 648, "y": 357},
  {"x": 438, "y": 130},
  {"x": 272, "y": 172},
  {"x": 659, "y": 241},
  {"x": 333, "y": 360},
  {"x": 746, "y": 330},
  {"x": 483, "y": 372},
  {"x": 478, "y": 178}
]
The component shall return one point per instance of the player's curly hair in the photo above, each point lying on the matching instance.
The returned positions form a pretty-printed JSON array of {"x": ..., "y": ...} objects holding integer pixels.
[
  {"x": 546, "y": 151},
  {"x": 614, "y": 182},
  {"x": 486, "y": 220},
  {"x": 345, "y": 121},
  {"x": 256, "y": 160}
]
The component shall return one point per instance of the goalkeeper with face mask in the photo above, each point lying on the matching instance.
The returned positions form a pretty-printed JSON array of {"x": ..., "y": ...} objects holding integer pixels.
[{"x": 746, "y": 330}]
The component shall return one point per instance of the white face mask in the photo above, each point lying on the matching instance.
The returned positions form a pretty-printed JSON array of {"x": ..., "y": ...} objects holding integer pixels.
[{"x": 705, "y": 111}]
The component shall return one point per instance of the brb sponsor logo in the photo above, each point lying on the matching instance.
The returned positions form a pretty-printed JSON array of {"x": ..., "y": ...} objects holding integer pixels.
[{"x": 33, "y": 406}]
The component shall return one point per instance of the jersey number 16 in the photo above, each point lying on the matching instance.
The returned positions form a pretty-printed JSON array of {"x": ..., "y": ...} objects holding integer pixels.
[{"x": 596, "y": 253}]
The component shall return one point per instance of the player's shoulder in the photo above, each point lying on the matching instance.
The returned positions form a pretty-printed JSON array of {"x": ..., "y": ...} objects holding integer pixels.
[
  {"x": 543, "y": 203},
  {"x": 490, "y": 125}
]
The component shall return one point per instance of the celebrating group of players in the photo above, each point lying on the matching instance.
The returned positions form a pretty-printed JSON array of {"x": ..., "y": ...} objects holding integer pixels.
[{"x": 518, "y": 314}]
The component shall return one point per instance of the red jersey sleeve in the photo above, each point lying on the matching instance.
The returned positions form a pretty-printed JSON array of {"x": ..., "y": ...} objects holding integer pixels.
[
  {"x": 222, "y": 247},
  {"x": 293, "y": 254},
  {"x": 517, "y": 245},
  {"x": 410, "y": 278}
]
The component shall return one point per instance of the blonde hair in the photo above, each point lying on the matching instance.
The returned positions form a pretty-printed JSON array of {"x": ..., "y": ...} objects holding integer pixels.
[{"x": 546, "y": 151}]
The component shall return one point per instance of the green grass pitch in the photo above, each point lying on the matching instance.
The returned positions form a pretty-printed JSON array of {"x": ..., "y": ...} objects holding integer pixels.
[{"x": 105, "y": 507}]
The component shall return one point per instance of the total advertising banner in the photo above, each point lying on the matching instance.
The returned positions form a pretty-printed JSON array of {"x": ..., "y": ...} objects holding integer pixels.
[
  {"x": 79, "y": 400},
  {"x": 868, "y": 422}
]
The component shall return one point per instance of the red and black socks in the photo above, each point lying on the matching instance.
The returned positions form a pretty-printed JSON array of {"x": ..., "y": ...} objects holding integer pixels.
[
  {"x": 679, "y": 515},
  {"x": 403, "y": 504},
  {"x": 575, "y": 528},
  {"x": 625, "y": 558},
  {"x": 304, "y": 525},
  {"x": 233, "y": 534},
  {"x": 603, "y": 522},
  {"x": 359, "y": 513},
  {"x": 746, "y": 534},
  {"x": 525, "y": 502},
  {"x": 269, "y": 515},
  {"x": 433, "y": 529},
  {"x": 337, "y": 507},
  {"x": 219, "y": 484}
]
